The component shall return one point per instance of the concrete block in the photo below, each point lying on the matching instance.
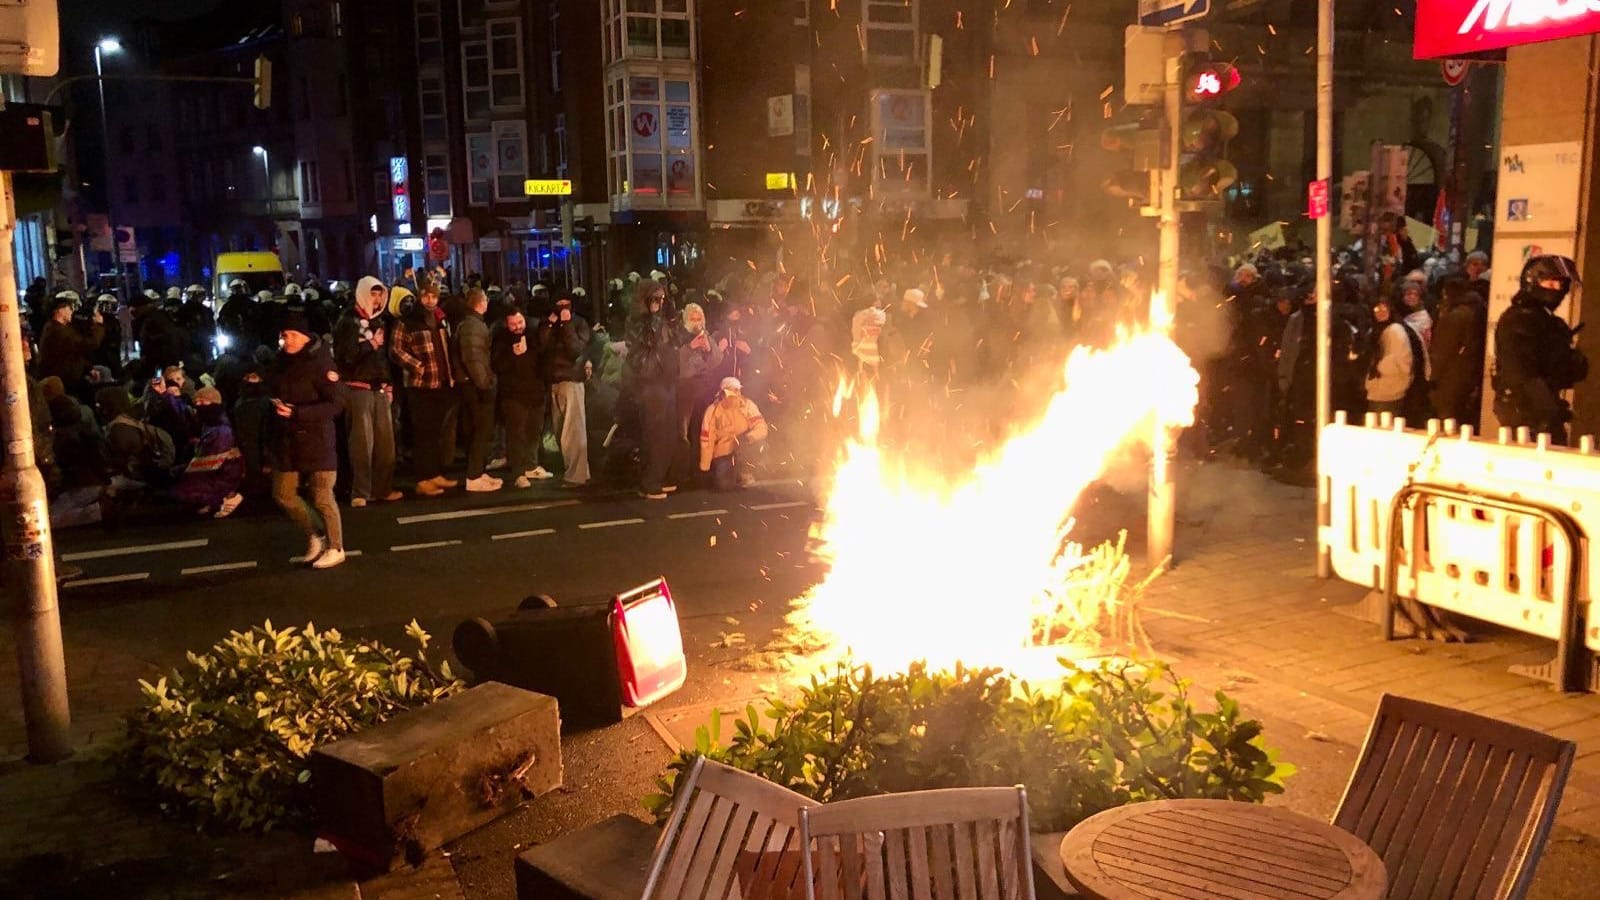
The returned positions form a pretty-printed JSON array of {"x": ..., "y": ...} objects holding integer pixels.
[
  {"x": 433, "y": 774},
  {"x": 609, "y": 860}
]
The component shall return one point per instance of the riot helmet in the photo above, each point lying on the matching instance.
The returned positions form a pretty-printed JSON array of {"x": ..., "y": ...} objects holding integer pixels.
[{"x": 1540, "y": 269}]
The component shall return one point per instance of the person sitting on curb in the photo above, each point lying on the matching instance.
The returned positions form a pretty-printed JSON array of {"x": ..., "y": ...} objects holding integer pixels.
[{"x": 732, "y": 423}]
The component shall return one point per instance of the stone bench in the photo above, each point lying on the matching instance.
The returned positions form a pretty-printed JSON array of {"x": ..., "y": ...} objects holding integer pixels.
[
  {"x": 609, "y": 860},
  {"x": 432, "y": 774}
]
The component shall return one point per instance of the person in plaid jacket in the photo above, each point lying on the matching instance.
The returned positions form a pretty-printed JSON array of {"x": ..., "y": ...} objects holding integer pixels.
[{"x": 421, "y": 348}]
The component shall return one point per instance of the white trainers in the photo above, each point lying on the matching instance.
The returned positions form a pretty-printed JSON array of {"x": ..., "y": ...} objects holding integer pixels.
[
  {"x": 522, "y": 482},
  {"x": 329, "y": 559},
  {"x": 358, "y": 502},
  {"x": 538, "y": 473},
  {"x": 315, "y": 548},
  {"x": 484, "y": 484},
  {"x": 229, "y": 504}
]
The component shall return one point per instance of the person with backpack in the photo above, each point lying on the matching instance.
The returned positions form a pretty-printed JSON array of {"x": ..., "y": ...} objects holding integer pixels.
[
  {"x": 306, "y": 400},
  {"x": 137, "y": 451},
  {"x": 1397, "y": 376}
]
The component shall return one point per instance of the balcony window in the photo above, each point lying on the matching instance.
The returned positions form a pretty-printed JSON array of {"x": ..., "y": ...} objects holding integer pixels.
[
  {"x": 476, "y": 95},
  {"x": 891, "y": 30},
  {"x": 436, "y": 184},
  {"x": 435, "y": 124},
  {"x": 505, "y": 63},
  {"x": 480, "y": 168},
  {"x": 649, "y": 29},
  {"x": 511, "y": 160},
  {"x": 430, "y": 36}
]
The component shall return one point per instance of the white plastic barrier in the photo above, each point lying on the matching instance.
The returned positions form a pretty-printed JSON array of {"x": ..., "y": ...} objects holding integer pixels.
[{"x": 1478, "y": 559}]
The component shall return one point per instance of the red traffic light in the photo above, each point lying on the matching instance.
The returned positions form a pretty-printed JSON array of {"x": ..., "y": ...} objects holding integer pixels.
[{"x": 1212, "y": 80}]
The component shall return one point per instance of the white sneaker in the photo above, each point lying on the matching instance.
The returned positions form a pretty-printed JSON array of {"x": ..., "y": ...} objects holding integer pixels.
[
  {"x": 538, "y": 473},
  {"x": 484, "y": 484},
  {"x": 358, "y": 502},
  {"x": 315, "y": 548},
  {"x": 329, "y": 559},
  {"x": 496, "y": 464},
  {"x": 229, "y": 504},
  {"x": 522, "y": 482}
]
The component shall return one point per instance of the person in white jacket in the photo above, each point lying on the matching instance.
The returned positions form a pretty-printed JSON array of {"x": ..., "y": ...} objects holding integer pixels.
[{"x": 1398, "y": 375}]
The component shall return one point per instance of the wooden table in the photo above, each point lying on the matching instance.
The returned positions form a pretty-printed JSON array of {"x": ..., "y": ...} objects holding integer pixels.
[{"x": 1208, "y": 849}]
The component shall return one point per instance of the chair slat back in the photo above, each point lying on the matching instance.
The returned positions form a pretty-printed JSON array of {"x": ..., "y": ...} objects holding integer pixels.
[
  {"x": 954, "y": 844},
  {"x": 1456, "y": 804},
  {"x": 731, "y": 835}
]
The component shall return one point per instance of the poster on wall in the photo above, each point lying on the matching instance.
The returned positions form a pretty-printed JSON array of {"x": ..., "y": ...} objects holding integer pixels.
[{"x": 1539, "y": 188}]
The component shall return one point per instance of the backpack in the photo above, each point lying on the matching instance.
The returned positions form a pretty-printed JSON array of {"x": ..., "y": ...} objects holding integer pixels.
[{"x": 156, "y": 450}]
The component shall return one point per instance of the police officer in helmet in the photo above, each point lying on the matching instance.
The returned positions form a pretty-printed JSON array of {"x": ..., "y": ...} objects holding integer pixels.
[{"x": 1535, "y": 359}]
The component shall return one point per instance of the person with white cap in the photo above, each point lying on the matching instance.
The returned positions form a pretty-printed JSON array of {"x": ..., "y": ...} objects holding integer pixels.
[
  {"x": 362, "y": 354},
  {"x": 732, "y": 435}
]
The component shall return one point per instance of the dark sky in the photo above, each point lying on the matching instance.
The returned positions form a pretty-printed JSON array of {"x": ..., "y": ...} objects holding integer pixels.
[{"x": 84, "y": 21}]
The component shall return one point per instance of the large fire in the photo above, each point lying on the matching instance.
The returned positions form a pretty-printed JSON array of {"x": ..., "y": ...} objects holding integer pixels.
[{"x": 923, "y": 567}]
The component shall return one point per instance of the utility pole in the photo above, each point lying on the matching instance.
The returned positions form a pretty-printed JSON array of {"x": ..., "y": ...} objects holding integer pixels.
[
  {"x": 1163, "y": 508},
  {"x": 1324, "y": 268},
  {"x": 30, "y": 571}
]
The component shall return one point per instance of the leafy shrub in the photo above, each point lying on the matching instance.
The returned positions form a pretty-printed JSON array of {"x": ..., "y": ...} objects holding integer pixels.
[
  {"x": 1103, "y": 737},
  {"x": 225, "y": 738}
]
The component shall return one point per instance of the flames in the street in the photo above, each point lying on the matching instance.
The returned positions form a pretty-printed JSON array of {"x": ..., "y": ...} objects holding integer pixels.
[{"x": 945, "y": 569}]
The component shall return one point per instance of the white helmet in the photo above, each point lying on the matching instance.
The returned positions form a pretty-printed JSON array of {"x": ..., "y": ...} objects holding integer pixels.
[
  {"x": 150, "y": 292},
  {"x": 340, "y": 287},
  {"x": 311, "y": 295},
  {"x": 579, "y": 292},
  {"x": 106, "y": 298},
  {"x": 194, "y": 289},
  {"x": 173, "y": 293},
  {"x": 237, "y": 285},
  {"x": 264, "y": 296},
  {"x": 657, "y": 275},
  {"x": 291, "y": 289}
]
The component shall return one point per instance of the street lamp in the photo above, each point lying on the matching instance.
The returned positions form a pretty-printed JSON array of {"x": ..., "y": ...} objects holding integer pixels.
[
  {"x": 108, "y": 46},
  {"x": 266, "y": 174}
]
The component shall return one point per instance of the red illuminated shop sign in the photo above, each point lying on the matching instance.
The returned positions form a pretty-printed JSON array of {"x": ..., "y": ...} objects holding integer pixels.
[{"x": 1464, "y": 27}]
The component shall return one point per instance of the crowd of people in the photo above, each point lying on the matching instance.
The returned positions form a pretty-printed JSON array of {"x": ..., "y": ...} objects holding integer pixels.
[{"x": 187, "y": 404}]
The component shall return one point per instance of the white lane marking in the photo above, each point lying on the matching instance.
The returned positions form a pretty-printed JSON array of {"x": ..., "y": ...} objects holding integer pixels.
[
  {"x": 611, "y": 524},
  {"x": 521, "y": 534},
  {"x": 401, "y": 548},
  {"x": 762, "y": 507},
  {"x": 109, "y": 579},
  {"x": 130, "y": 551},
  {"x": 698, "y": 515},
  {"x": 348, "y": 554},
  {"x": 773, "y": 482},
  {"x": 220, "y": 567},
  {"x": 488, "y": 511}
]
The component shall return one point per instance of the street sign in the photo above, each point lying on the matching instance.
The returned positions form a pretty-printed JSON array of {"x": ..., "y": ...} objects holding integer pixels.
[
  {"x": 1172, "y": 12},
  {"x": 1454, "y": 70},
  {"x": 777, "y": 181},
  {"x": 1317, "y": 199},
  {"x": 548, "y": 187}
]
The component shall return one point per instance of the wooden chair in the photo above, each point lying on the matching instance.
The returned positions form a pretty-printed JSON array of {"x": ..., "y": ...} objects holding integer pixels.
[
  {"x": 953, "y": 844},
  {"x": 1457, "y": 804},
  {"x": 731, "y": 835}
]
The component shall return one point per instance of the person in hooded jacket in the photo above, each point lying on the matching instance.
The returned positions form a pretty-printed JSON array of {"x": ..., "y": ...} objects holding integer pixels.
[
  {"x": 563, "y": 340},
  {"x": 359, "y": 350},
  {"x": 652, "y": 377},
  {"x": 210, "y": 482},
  {"x": 252, "y": 420},
  {"x": 1457, "y": 352},
  {"x": 1534, "y": 352},
  {"x": 303, "y": 385},
  {"x": 699, "y": 357},
  {"x": 514, "y": 354},
  {"x": 1398, "y": 366},
  {"x": 477, "y": 387}
]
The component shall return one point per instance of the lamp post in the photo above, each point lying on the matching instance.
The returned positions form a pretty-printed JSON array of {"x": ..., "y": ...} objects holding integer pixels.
[
  {"x": 266, "y": 175},
  {"x": 108, "y": 46}
]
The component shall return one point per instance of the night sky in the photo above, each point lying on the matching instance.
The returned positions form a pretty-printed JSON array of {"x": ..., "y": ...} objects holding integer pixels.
[{"x": 83, "y": 21}]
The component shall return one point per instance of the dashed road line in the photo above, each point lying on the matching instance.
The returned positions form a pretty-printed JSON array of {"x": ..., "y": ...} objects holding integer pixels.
[
  {"x": 521, "y": 534},
  {"x": 135, "y": 549},
  {"x": 611, "y": 524},
  {"x": 219, "y": 567},
  {"x": 763, "y": 507},
  {"x": 348, "y": 554},
  {"x": 401, "y": 548},
  {"x": 108, "y": 579},
  {"x": 699, "y": 515},
  {"x": 484, "y": 511}
]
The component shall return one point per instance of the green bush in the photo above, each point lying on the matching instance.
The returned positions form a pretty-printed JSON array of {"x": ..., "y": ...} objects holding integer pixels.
[
  {"x": 1121, "y": 733},
  {"x": 225, "y": 738}
]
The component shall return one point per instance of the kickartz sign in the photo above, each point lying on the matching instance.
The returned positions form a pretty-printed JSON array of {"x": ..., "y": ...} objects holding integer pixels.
[{"x": 1464, "y": 27}]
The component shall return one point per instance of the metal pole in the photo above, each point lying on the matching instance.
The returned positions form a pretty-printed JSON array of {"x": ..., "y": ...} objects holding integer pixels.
[
  {"x": 105, "y": 149},
  {"x": 1324, "y": 270},
  {"x": 1163, "y": 510},
  {"x": 30, "y": 571}
]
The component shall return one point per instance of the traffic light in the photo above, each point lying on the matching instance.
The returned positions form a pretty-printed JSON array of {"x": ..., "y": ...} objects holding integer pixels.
[
  {"x": 1137, "y": 133},
  {"x": 263, "y": 83},
  {"x": 1204, "y": 173}
]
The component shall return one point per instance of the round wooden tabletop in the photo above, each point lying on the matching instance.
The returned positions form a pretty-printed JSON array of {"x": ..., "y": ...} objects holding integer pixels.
[{"x": 1208, "y": 849}]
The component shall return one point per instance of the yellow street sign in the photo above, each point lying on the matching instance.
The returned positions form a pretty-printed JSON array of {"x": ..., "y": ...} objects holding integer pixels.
[
  {"x": 548, "y": 187},
  {"x": 777, "y": 181}
]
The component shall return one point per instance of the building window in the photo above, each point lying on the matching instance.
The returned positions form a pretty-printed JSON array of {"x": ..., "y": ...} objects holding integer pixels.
[
  {"x": 651, "y": 135},
  {"x": 901, "y": 148},
  {"x": 436, "y": 184},
  {"x": 802, "y": 110},
  {"x": 475, "y": 79},
  {"x": 480, "y": 168},
  {"x": 555, "y": 47},
  {"x": 348, "y": 169},
  {"x": 802, "y": 12},
  {"x": 336, "y": 10},
  {"x": 891, "y": 30},
  {"x": 561, "y": 145},
  {"x": 297, "y": 25},
  {"x": 648, "y": 29},
  {"x": 430, "y": 36},
  {"x": 511, "y": 160},
  {"x": 435, "y": 124},
  {"x": 505, "y": 63},
  {"x": 310, "y": 184}
]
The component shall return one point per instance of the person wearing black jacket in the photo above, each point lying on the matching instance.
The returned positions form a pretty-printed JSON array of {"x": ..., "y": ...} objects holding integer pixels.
[
  {"x": 66, "y": 345},
  {"x": 359, "y": 350},
  {"x": 306, "y": 398},
  {"x": 1534, "y": 356},
  {"x": 237, "y": 319},
  {"x": 161, "y": 341},
  {"x": 563, "y": 338},
  {"x": 652, "y": 375},
  {"x": 477, "y": 387},
  {"x": 1457, "y": 353},
  {"x": 514, "y": 357}
]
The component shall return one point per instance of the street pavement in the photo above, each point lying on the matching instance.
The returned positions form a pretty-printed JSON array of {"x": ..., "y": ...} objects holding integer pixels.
[{"x": 1242, "y": 612}]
